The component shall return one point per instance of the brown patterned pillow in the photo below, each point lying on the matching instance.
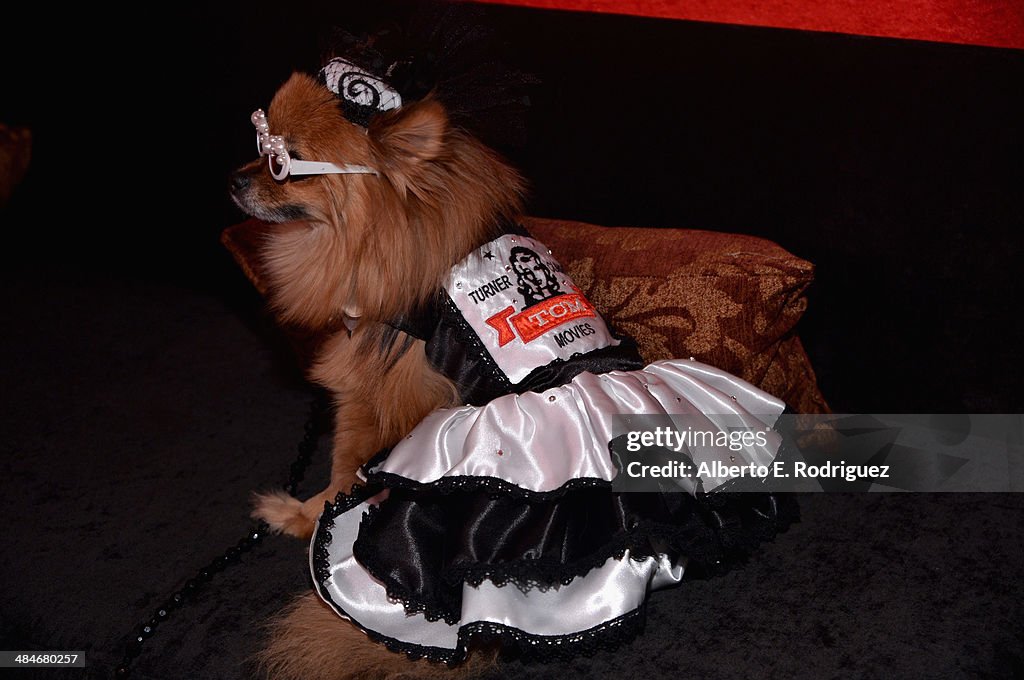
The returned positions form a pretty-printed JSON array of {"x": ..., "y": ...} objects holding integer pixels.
[{"x": 728, "y": 300}]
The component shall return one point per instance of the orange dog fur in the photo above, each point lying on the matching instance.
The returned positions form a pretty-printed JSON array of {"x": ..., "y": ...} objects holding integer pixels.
[{"x": 369, "y": 249}]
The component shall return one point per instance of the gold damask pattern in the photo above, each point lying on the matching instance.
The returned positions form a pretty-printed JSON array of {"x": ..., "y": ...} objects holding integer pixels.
[{"x": 728, "y": 300}]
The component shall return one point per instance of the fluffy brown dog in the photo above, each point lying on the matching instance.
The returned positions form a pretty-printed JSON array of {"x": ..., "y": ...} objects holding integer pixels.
[
  {"x": 386, "y": 210},
  {"x": 369, "y": 249},
  {"x": 356, "y": 251}
]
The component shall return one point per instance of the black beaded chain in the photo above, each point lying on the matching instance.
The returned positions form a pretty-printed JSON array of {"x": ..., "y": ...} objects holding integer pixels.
[{"x": 316, "y": 424}]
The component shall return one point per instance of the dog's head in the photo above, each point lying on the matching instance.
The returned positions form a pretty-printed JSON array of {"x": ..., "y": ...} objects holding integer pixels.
[
  {"x": 310, "y": 118},
  {"x": 376, "y": 241}
]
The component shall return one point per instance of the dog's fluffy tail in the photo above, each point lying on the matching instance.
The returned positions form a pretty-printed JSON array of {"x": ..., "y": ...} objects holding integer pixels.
[{"x": 308, "y": 641}]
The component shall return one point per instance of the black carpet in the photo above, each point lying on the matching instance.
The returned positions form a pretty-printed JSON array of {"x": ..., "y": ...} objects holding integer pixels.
[{"x": 143, "y": 415}]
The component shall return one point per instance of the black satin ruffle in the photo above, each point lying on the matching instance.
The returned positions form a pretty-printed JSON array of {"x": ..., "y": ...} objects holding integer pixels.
[
  {"x": 423, "y": 544},
  {"x": 511, "y": 640}
]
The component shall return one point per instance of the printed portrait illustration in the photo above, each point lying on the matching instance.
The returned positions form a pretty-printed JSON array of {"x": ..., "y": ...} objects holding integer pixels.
[{"x": 534, "y": 280}]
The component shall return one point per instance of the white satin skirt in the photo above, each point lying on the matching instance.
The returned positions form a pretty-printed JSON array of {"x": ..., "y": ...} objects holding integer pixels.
[{"x": 440, "y": 496}]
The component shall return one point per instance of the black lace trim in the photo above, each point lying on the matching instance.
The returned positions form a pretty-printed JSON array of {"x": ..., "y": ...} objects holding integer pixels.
[
  {"x": 492, "y": 485},
  {"x": 321, "y": 573},
  {"x": 710, "y": 551},
  {"x": 446, "y": 485},
  {"x": 532, "y": 574},
  {"x": 733, "y": 528},
  {"x": 621, "y": 357},
  {"x": 514, "y": 641},
  {"x": 723, "y": 531},
  {"x": 322, "y": 540},
  {"x": 721, "y": 545},
  {"x": 526, "y": 574},
  {"x": 607, "y": 635}
]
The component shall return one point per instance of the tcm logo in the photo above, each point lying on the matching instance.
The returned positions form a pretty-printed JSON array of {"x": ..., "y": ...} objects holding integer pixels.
[{"x": 540, "y": 318}]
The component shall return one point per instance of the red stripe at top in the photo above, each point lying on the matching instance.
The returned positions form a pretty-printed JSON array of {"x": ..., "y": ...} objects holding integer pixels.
[{"x": 994, "y": 23}]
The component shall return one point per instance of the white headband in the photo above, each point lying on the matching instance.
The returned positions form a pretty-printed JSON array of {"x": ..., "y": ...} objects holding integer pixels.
[
  {"x": 359, "y": 87},
  {"x": 274, "y": 147}
]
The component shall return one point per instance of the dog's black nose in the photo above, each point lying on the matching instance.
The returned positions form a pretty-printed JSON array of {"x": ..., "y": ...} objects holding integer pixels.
[{"x": 239, "y": 182}]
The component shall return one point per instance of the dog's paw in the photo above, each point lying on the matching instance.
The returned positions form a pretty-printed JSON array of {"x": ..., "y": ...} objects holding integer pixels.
[{"x": 283, "y": 513}]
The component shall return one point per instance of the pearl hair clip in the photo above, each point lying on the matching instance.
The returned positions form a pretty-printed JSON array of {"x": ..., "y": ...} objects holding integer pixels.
[{"x": 282, "y": 165}]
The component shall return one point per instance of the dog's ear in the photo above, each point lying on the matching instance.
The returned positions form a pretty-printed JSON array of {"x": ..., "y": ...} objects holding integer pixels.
[{"x": 407, "y": 141}]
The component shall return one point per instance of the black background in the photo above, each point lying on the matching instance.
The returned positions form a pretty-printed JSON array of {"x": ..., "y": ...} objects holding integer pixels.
[{"x": 895, "y": 166}]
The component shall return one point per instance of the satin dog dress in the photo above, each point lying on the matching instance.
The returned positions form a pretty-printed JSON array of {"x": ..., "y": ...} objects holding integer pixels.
[{"x": 496, "y": 520}]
